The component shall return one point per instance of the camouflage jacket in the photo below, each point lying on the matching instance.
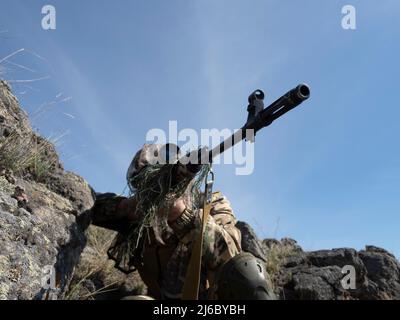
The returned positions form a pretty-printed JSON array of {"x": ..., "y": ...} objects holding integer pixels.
[{"x": 163, "y": 267}]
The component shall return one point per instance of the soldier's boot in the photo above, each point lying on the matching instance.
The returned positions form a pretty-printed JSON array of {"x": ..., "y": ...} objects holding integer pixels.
[{"x": 138, "y": 297}]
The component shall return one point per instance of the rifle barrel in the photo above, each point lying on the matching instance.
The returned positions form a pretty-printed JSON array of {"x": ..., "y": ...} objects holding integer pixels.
[{"x": 287, "y": 102}]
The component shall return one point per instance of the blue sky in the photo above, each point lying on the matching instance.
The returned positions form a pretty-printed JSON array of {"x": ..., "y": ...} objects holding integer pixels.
[{"x": 327, "y": 174}]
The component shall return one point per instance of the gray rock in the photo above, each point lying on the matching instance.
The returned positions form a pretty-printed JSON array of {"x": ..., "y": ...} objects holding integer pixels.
[
  {"x": 319, "y": 275},
  {"x": 250, "y": 242},
  {"x": 383, "y": 271},
  {"x": 269, "y": 243},
  {"x": 50, "y": 234},
  {"x": 313, "y": 283},
  {"x": 292, "y": 244},
  {"x": 8, "y": 203}
]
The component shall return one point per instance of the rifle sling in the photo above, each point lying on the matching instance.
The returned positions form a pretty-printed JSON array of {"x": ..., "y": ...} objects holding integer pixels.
[{"x": 192, "y": 280}]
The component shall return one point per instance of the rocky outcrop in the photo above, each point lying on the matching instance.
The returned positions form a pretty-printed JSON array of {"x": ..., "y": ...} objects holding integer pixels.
[
  {"x": 47, "y": 249},
  {"x": 42, "y": 210},
  {"x": 323, "y": 274}
]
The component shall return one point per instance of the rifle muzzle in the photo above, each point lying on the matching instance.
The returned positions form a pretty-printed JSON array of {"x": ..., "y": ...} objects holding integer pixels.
[{"x": 300, "y": 93}]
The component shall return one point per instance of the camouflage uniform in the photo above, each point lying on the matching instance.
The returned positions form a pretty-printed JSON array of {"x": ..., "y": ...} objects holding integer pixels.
[{"x": 163, "y": 266}]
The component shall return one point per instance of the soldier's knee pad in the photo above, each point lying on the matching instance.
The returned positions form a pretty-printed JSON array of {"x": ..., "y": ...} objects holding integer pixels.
[{"x": 244, "y": 277}]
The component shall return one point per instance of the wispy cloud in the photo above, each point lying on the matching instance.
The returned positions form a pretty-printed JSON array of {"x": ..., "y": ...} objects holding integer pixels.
[{"x": 95, "y": 115}]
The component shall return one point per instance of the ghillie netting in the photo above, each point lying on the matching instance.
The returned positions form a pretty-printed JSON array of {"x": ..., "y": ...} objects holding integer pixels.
[{"x": 156, "y": 188}]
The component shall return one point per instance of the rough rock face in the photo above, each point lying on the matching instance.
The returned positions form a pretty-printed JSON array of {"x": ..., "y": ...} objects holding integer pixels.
[
  {"x": 317, "y": 275},
  {"x": 42, "y": 213}
]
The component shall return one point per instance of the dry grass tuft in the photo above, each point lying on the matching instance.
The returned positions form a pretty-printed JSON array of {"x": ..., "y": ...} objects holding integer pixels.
[
  {"x": 28, "y": 156},
  {"x": 277, "y": 254},
  {"x": 95, "y": 276}
]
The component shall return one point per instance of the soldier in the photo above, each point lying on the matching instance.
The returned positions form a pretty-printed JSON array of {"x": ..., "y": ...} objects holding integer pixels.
[{"x": 157, "y": 226}]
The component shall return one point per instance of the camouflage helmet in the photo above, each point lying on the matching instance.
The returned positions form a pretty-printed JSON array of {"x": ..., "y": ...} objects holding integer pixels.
[{"x": 152, "y": 154}]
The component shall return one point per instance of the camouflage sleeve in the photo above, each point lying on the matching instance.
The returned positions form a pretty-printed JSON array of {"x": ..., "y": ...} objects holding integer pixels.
[
  {"x": 222, "y": 239},
  {"x": 105, "y": 213},
  {"x": 221, "y": 242}
]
